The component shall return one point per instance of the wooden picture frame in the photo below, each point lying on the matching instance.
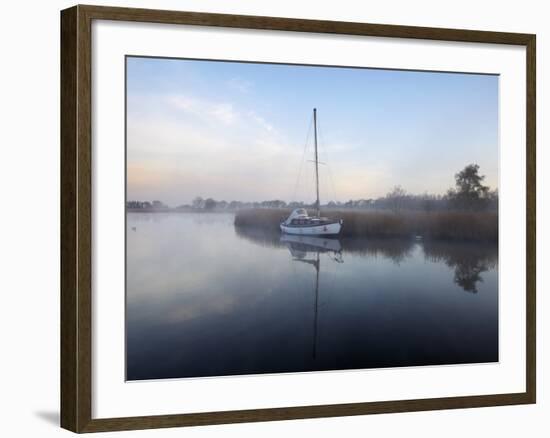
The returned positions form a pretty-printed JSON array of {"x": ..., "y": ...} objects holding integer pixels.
[{"x": 76, "y": 217}]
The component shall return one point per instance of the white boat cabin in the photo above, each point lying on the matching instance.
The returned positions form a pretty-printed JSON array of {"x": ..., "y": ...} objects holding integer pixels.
[
  {"x": 300, "y": 217},
  {"x": 299, "y": 222}
]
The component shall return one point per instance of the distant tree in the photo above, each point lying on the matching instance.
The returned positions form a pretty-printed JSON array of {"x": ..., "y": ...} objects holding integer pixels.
[
  {"x": 133, "y": 204},
  {"x": 275, "y": 203},
  {"x": 493, "y": 199},
  {"x": 469, "y": 193},
  {"x": 295, "y": 204},
  {"x": 396, "y": 198},
  {"x": 426, "y": 202},
  {"x": 428, "y": 205},
  {"x": 158, "y": 204},
  {"x": 233, "y": 205},
  {"x": 198, "y": 202},
  {"x": 209, "y": 204},
  {"x": 363, "y": 203}
]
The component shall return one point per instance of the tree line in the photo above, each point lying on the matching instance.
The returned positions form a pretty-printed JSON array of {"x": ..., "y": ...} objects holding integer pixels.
[{"x": 469, "y": 194}]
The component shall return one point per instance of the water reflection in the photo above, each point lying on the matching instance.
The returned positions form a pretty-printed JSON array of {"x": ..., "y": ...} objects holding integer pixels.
[
  {"x": 469, "y": 260},
  {"x": 300, "y": 246},
  {"x": 206, "y": 299},
  {"x": 307, "y": 249},
  {"x": 396, "y": 250}
]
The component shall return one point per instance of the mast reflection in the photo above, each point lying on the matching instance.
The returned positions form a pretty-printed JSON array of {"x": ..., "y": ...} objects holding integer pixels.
[{"x": 300, "y": 247}]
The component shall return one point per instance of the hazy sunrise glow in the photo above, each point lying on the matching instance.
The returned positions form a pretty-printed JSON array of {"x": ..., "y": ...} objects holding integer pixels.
[{"x": 236, "y": 131}]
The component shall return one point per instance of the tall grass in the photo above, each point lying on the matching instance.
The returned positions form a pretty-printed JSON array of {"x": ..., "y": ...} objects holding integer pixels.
[
  {"x": 451, "y": 225},
  {"x": 267, "y": 219}
]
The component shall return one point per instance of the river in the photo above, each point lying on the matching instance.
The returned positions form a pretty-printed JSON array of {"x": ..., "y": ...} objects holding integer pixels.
[{"x": 206, "y": 299}]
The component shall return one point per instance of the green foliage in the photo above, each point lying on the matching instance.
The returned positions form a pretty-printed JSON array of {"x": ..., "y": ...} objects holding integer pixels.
[{"x": 470, "y": 193}]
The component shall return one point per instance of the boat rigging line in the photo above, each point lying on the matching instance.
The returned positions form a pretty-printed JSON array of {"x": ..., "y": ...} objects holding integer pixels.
[
  {"x": 327, "y": 160},
  {"x": 302, "y": 160}
]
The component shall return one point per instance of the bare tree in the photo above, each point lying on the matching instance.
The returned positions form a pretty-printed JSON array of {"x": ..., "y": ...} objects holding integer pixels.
[{"x": 396, "y": 198}]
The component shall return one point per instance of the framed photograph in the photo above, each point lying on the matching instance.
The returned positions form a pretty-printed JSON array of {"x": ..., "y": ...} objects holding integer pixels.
[{"x": 270, "y": 218}]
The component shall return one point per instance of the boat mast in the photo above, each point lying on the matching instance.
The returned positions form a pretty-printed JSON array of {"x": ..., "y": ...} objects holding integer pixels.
[{"x": 318, "y": 204}]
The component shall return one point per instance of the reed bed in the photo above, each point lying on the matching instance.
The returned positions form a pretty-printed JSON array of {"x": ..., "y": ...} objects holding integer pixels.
[{"x": 448, "y": 225}]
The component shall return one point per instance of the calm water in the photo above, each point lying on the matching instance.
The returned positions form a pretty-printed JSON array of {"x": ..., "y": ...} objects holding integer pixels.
[{"x": 204, "y": 299}]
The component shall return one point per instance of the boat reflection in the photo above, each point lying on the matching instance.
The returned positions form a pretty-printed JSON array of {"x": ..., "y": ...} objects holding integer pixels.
[
  {"x": 396, "y": 250},
  {"x": 468, "y": 260},
  {"x": 299, "y": 246},
  {"x": 307, "y": 249}
]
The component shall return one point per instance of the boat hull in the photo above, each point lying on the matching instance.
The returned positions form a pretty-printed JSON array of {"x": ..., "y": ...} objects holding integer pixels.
[
  {"x": 329, "y": 229},
  {"x": 312, "y": 243}
]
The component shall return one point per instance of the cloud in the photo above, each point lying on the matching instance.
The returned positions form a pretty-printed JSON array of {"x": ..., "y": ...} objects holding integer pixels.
[
  {"x": 239, "y": 84},
  {"x": 186, "y": 147},
  {"x": 180, "y": 146},
  {"x": 261, "y": 121},
  {"x": 225, "y": 113},
  {"x": 218, "y": 111},
  {"x": 184, "y": 103}
]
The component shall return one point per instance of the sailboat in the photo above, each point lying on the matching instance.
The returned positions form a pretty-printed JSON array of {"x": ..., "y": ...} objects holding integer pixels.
[{"x": 299, "y": 222}]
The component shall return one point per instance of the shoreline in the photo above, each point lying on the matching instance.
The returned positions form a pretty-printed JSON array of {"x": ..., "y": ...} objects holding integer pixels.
[
  {"x": 443, "y": 225},
  {"x": 438, "y": 225}
]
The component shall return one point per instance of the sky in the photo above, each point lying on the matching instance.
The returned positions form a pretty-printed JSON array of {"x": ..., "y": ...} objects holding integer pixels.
[{"x": 243, "y": 131}]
